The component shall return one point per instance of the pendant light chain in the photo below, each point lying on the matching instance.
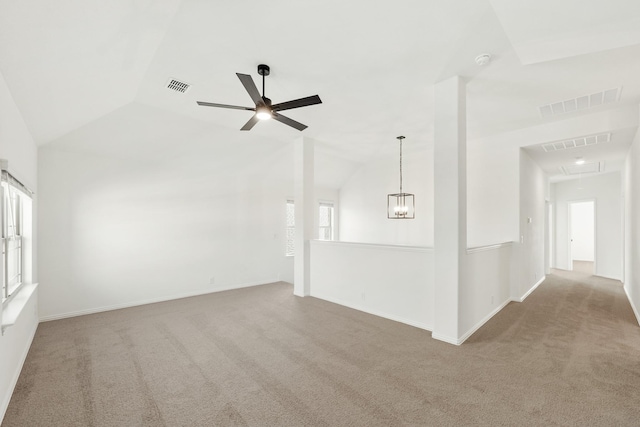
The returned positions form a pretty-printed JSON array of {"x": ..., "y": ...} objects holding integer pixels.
[{"x": 400, "y": 138}]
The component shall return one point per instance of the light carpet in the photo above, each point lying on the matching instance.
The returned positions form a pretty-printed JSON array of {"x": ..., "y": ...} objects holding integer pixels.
[{"x": 568, "y": 355}]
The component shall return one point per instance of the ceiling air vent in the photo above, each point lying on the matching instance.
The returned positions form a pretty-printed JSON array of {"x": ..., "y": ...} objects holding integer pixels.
[
  {"x": 584, "y": 168},
  {"x": 178, "y": 86},
  {"x": 581, "y": 103},
  {"x": 583, "y": 141}
]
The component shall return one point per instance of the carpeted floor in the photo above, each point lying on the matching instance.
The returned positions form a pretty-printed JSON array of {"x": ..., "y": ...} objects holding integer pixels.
[{"x": 568, "y": 355}]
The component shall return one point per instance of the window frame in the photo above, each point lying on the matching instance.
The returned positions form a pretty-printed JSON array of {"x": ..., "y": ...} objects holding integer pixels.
[
  {"x": 290, "y": 229},
  {"x": 331, "y": 227},
  {"x": 12, "y": 237}
]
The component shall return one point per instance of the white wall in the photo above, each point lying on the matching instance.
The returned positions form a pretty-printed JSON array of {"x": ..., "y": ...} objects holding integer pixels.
[
  {"x": 363, "y": 200},
  {"x": 492, "y": 197},
  {"x": 605, "y": 189},
  {"x": 395, "y": 282},
  {"x": 121, "y": 232},
  {"x": 529, "y": 249},
  {"x": 17, "y": 146},
  {"x": 505, "y": 187},
  {"x": 631, "y": 185},
  {"x": 486, "y": 288},
  {"x": 492, "y": 192}
]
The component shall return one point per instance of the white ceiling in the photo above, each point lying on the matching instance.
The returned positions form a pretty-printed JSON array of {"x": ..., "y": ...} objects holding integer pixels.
[{"x": 91, "y": 75}]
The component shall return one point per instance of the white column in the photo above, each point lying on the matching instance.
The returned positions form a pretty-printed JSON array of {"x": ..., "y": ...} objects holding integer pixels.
[
  {"x": 450, "y": 180},
  {"x": 303, "y": 192}
]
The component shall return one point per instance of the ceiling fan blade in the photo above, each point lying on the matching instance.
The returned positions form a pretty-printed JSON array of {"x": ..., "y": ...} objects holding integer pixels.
[
  {"x": 235, "y": 107},
  {"x": 251, "y": 123},
  {"x": 302, "y": 102},
  {"x": 289, "y": 122},
  {"x": 251, "y": 88}
]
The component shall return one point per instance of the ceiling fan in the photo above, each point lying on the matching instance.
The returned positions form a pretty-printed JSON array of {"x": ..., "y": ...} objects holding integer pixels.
[{"x": 264, "y": 109}]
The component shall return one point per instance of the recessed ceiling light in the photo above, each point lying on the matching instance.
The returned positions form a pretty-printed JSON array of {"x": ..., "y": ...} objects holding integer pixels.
[
  {"x": 594, "y": 167},
  {"x": 579, "y": 161}
]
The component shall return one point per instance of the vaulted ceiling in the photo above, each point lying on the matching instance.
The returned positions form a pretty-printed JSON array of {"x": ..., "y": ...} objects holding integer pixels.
[{"x": 93, "y": 74}]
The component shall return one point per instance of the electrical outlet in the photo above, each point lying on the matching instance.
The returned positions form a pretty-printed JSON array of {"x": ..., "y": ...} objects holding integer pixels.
[
  {"x": 364, "y": 297},
  {"x": 212, "y": 280}
]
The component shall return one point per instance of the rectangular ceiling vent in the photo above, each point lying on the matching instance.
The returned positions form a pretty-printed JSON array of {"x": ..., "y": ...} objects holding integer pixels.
[
  {"x": 585, "y": 168},
  {"x": 584, "y": 141},
  {"x": 178, "y": 86},
  {"x": 581, "y": 103}
]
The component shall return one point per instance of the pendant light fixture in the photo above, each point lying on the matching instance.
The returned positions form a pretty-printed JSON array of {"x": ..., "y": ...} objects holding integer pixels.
[{"x": 401, "y": 205}]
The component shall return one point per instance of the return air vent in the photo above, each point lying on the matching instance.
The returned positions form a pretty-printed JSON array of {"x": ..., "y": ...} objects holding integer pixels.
[
  {"x": 580, "y": 103},
  {"x": 178, "y": 86},
  {"x": 585, "y": 168},
  {"x": 577, "y": 142}
]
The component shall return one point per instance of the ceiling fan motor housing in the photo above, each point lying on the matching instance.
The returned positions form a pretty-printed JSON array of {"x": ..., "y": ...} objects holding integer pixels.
[{"x": 264, "y": 70}]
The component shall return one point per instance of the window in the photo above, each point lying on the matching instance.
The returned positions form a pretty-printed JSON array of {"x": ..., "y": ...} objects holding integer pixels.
[
  {"x": 325, "y": 221},
  {"x": 12, "y": 239},
  {"x": 291, "y": 228}
]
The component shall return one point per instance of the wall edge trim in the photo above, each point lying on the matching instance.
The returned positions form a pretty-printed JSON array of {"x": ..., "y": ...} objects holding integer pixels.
[
  {"x": 533, "y": 288},
  {"x": 488, "y": 247},
  {"x": 481, "y": 323},
  {"x": 420, "y": 325},
  {"x": 374, "y": 246},
  {"x": 445, "y": 338},
  {"x": 150, "y": 301},
  {"x": 633, "y": 307}
]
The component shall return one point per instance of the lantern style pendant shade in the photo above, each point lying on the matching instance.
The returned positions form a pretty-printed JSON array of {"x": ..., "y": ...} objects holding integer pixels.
[{"x": 401, "y": 205}]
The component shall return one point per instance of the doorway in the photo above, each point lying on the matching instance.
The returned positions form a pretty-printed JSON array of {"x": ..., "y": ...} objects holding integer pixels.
[{"x": 582, "y": 242}]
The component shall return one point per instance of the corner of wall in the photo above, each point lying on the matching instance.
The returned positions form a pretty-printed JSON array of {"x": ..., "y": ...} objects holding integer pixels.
[{"x": 16, "y": 344}]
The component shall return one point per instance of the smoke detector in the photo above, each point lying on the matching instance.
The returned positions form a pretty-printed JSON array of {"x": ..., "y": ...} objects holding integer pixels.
[{"x": 483, "y": 59}]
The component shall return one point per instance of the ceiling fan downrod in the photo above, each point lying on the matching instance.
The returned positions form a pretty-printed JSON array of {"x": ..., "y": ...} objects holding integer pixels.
[{"x": 264, "y": 71}]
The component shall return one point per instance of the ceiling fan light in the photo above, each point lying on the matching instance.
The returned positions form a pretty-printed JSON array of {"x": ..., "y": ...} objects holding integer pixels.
[{"x": 263, "y": 113}]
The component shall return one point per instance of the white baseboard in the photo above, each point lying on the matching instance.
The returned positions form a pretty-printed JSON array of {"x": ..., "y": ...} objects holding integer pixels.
[
  {"x": 358, "y": 307},
  {"x": 14, "y": 380},
  {"x": 444, "y": 338},
  {"x": 149, "y": 301},
  {"x": 533, "y": 288},
  {"x": 478, "y": 325},
  {"x": 633, "y": 307}
]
